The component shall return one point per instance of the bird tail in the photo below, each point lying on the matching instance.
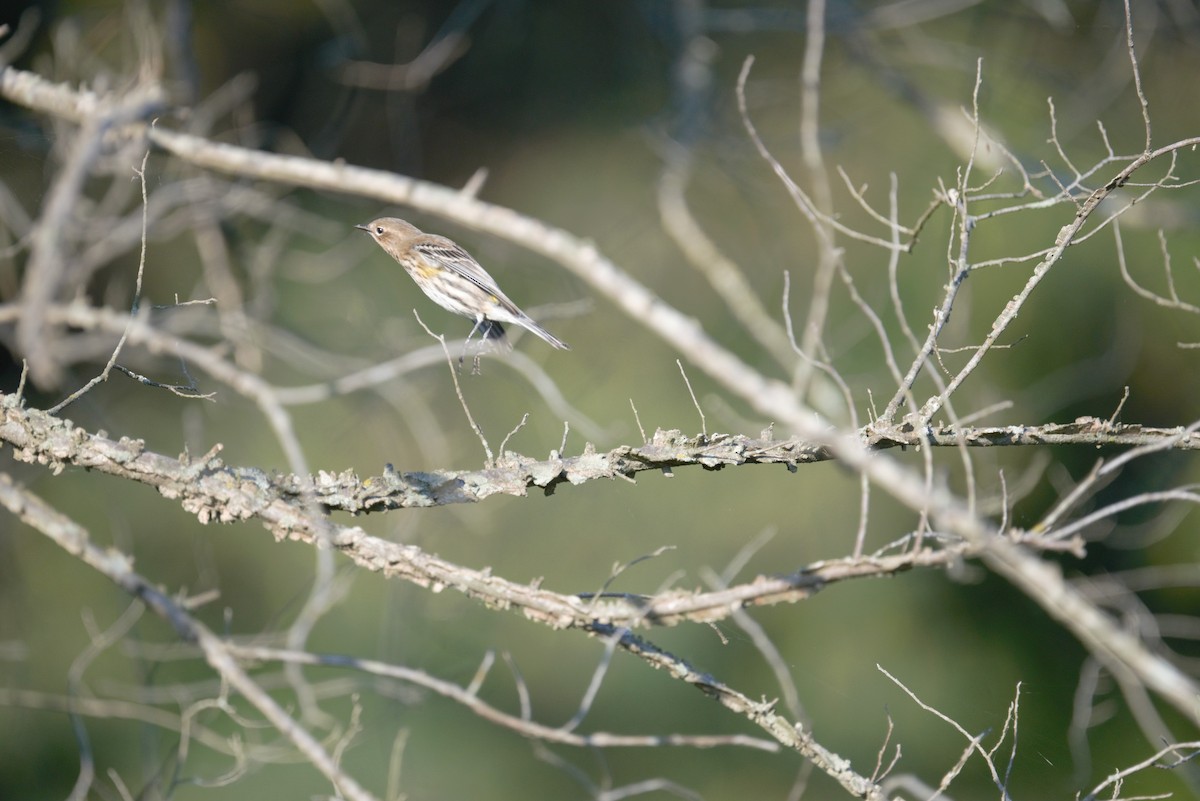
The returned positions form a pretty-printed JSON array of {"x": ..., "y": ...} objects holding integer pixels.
[{"x": 529, "y": 324}]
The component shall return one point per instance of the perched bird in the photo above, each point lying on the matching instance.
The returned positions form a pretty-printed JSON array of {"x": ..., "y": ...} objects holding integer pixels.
[{"x": 453, "y": 279}]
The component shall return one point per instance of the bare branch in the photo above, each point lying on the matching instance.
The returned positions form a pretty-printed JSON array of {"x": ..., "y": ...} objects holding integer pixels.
[{"x": 116, "y": 566}]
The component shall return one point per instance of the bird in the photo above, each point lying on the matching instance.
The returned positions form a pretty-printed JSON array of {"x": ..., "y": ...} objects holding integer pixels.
[{"x": 453, "y": 279}]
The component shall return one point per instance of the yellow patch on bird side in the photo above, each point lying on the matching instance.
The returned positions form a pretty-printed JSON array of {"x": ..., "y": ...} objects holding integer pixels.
[{"x": 425, "y": 270}]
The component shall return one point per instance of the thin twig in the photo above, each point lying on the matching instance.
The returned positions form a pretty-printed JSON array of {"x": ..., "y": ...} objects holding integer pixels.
[
  {"x": 490, "y": 459},
  {"x": 133, "y": 307},
  {"x": 696, "y": 403}
]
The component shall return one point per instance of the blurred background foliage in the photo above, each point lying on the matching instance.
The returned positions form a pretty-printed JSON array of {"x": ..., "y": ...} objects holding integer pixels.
[{"x": 571, "y": 107}]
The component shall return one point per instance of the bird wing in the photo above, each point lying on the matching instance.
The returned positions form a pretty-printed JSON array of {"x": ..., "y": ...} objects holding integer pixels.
[{"x": 450, "y": 256}]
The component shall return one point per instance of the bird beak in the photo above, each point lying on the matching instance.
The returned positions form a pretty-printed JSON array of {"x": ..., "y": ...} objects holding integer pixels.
[{"x": 364, "y": 227}]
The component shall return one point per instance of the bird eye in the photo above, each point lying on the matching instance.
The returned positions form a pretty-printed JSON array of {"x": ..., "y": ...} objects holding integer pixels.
[{"x": 379, "y": 230}]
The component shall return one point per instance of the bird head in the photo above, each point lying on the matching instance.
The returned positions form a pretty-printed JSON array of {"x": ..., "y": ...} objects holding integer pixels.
[{"x": 390, "y": 232}]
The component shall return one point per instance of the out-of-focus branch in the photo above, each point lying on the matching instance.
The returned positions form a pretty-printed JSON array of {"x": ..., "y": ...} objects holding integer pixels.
[
  {"x": 691, "y": 101},
  {"x": 48, "y": 263},
  {"x": 118, "y": 567},
  {"x": 725, "y": 276},
  {"x": 468, "y": 698}
]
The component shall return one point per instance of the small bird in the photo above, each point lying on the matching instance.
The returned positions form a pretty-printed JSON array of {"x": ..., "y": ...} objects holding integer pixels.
[{"x": 453, "y": 279}]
